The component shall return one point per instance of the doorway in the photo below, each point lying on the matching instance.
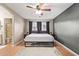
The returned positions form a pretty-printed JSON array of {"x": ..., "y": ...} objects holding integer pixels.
[{"x": 8, "y": 30}]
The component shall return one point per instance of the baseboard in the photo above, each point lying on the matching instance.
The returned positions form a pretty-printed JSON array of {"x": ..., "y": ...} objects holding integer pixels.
[
  {"x": 20, "y": 41},
  {"x": 64, "y": 50}
]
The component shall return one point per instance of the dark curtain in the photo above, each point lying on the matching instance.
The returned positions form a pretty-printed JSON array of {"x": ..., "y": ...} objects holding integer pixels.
[
  {"x": 30, "y": 27},
  {"x": 47, "y": 27}
]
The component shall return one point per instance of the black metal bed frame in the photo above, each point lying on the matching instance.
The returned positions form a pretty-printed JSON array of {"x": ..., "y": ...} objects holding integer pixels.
[{"x": 38, "y": 44}]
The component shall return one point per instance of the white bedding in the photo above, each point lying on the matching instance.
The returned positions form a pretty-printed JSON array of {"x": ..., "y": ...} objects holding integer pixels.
[{"x": 39, "y": 38}]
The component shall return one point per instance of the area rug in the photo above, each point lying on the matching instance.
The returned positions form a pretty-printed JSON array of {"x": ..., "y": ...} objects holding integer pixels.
[{"x": 39, "y": 51}]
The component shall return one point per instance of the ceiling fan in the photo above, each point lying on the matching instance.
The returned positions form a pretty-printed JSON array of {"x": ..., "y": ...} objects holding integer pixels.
[{"x": 39, "y": 7}]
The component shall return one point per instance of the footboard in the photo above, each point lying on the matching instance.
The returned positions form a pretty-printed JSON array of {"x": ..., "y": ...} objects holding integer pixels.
[{"x": 39, "y": 44}]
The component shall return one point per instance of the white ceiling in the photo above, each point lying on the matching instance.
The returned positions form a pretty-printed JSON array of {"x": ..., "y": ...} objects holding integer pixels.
[{"x": 27, "y": 13}]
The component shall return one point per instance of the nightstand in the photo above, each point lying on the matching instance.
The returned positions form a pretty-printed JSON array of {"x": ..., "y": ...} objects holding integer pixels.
[
  {"x": 51, "y": 33},
  {"x": 26, "y": 34}
]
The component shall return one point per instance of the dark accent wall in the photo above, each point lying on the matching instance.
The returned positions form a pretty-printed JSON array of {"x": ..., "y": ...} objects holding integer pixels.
[{"x": 66, "y": 28}]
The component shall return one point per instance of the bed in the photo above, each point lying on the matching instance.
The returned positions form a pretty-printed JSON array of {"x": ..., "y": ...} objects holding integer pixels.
[{"x": 39, "y": 39}]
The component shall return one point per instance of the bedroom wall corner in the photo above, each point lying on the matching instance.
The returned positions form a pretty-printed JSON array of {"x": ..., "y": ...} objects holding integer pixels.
[{"x": 51, "y": 26}]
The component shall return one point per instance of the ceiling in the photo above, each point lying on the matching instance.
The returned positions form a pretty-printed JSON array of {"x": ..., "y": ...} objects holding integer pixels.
[{"x": 28, "y": 13}]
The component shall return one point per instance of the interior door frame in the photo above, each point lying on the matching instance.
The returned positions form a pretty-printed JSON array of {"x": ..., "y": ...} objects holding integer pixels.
[{"x": 12, "y": 30}]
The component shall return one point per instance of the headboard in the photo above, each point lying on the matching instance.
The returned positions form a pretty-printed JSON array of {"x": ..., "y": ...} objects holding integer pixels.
[{"x": 38, "y": 28}]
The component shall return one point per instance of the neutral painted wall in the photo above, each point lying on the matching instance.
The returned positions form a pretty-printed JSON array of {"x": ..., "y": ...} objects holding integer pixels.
[
  {"x": 18, "y": 28},
  {"x": 4, "y": 13},
  {"x": 26, "y": 28},
  {"x": 66, "y": 28}
]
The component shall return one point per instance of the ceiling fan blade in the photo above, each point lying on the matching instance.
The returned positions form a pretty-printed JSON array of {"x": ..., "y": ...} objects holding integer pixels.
[
  {"x": 29, "y": 6},
  {"x": 41, "y": 4},
  {"x": 46, "y": 9}
]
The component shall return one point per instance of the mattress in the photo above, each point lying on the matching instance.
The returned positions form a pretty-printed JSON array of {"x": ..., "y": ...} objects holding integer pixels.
[{"x": 39, "y": 38}]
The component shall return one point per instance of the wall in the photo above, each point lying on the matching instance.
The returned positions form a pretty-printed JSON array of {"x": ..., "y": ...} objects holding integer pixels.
[
  {"x": 4, "y": 13},
  {"x": 66, "y": 28},
  {"x": 18, "y": 25},
  {"x": 18, "y": 28},
  {"x": 26, "y": 28},
  {"x": 51, "y": 26}
]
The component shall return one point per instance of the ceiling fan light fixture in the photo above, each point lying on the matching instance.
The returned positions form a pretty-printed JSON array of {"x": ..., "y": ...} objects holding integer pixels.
[{"x": 38, "y": 12}]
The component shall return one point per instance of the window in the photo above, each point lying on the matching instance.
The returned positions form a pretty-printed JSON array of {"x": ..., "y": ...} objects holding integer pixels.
[
  {"x": 34, "y": 26},
  {"x": 44, "y": 28}
]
